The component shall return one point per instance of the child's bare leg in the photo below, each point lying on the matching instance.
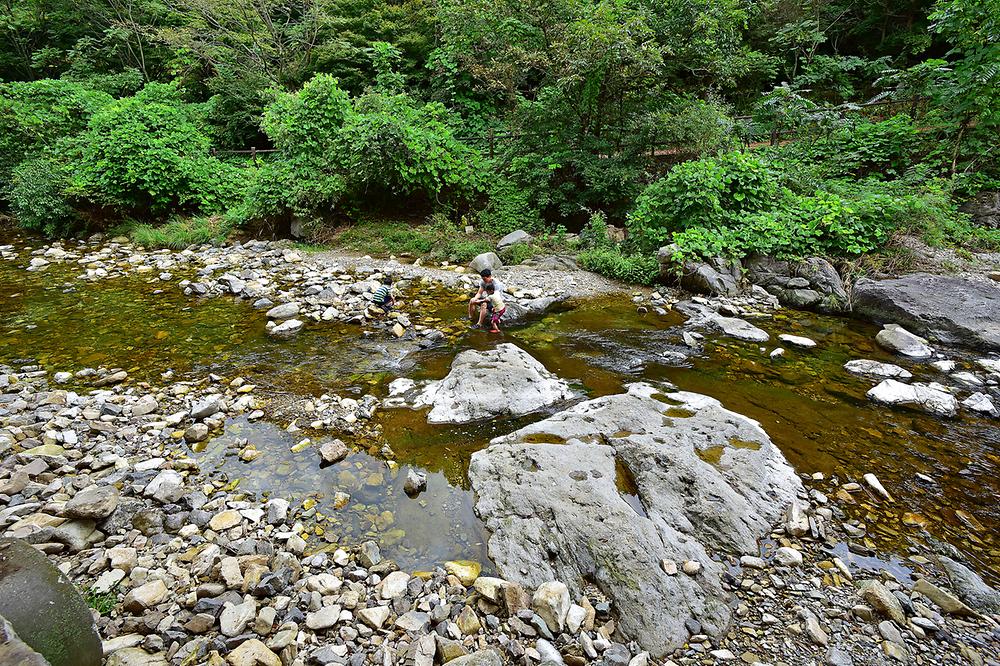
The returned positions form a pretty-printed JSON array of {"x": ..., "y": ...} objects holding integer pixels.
[{"x": 482, "y": 314}]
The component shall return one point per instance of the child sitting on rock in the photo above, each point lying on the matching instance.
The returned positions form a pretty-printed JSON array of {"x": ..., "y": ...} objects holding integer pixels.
[
  {"x": 384, "y": 296},
  {"x": 495, "y": 306}
]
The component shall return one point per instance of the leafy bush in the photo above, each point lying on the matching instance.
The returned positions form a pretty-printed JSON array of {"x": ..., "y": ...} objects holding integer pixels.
[
  {"x": 37, "y": 196},
  {"x": 179, "y": 233},
  {"x": 36, "y": 114},
  {"x": 509, "y": 208},
  {"x": 847, "y": 219},
  {"x": 148, "y": 154},
  {"x": 332, "y": 147},
  {"x": 708, "y": 192},
  {"x": 615, "y": 264},
  {"x": 888, "y": 147}
]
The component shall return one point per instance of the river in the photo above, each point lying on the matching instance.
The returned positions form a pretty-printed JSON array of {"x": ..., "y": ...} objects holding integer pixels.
[{"x": 815, "y": 412}]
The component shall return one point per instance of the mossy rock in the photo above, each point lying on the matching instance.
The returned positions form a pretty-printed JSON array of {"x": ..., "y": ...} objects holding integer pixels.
[{"x": 44, "y": 608}]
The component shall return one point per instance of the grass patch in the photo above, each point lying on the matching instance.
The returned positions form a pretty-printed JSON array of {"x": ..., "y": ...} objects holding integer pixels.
[
  {"x": 613, "y": 263},
  {"x": 180, "y": 233},
  {"x": 103, "y": 602},
  {"x": 438, "y": 240}
]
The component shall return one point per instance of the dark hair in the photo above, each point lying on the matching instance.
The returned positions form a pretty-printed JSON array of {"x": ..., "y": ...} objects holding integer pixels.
[
  {"x": 386, "y": 279},
  {"x": 486, "y": 273},
  {"x": 490, "y": 288}
]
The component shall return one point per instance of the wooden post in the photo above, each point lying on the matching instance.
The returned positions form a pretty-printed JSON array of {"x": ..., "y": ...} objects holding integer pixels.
[{"x": 253, "y": 155}]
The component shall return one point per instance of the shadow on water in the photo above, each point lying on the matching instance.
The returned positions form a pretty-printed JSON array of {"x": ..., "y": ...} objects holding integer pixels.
[{"x": 813, "y": 410}]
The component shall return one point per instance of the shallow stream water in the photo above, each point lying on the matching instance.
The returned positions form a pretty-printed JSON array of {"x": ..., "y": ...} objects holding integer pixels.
[{"x": 814, "y": 411}]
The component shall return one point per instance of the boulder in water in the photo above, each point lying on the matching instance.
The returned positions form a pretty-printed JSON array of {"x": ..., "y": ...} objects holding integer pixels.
[
  {"x": 702, "y": 316},
  {"x": 931, "y": 398},
  {"x": 505, "y": 381},
  {"x": 897, "y": 339},
  {"x": 811, "y": 283},
  {"x": 716, "y": 277},
  {"x": 44, "y": 608},
  {"x": 869, "y": 368},
  {"x": 944, "y": 308},
  {"x": 519, "y": 312},
  {"x": 604, "y": 491}
]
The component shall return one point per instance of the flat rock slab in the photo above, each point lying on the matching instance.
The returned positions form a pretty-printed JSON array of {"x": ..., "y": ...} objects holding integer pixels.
[
  {"x": 944, "y": 308},
  {"x": 607, "y": 490}
]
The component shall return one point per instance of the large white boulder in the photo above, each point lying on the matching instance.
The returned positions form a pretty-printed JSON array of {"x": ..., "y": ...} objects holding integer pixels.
[
  {"x": 505, "y": 381},
  {"x": 607, "y": 491},
  {"x": 931, "y": 398}
]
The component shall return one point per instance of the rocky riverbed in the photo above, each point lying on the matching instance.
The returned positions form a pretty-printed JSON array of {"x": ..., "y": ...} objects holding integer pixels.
[{"x": 221, "y": 495}]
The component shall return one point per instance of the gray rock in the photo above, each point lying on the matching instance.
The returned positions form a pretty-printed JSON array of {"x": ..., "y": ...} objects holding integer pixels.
[
  {"x": 701, "y": 316},
  {"x": 44, "y": 608},
  {"x": 519, "y": 312},
  {"x": 927, "y": 397},
  {"x": 514, "y": 238},
  {"x": 717, "y": 277},
  {"x": 94, "y": 503},
  {"x": 416, "y": 482},
  {"x": 944, "y": 308},
  {"x": 970, "y": 588},
  {"x": 811, "y": 283},
  {"x": 897, "y": 339},
  {"x": 333, "y": 450},
  {"x": 868, "y": 368},
  {"x": 502, "y": 381},
  {"x": 166, "y": 487},
  {"x": 206, "y": 407},
  {"x": 135, "y": 656},
  {"x": 552, "y": 262},
  {"x": 483, "y": 261},
  {"x": 283, "y": 311},
  {"x": 14, "y": 651},
  {"x": 481, "y": 658},
  {"x": 531, "y": 495}
]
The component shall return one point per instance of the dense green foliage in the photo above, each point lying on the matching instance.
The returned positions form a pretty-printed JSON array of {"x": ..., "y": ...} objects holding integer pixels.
[{"x": 726, "y": 126}]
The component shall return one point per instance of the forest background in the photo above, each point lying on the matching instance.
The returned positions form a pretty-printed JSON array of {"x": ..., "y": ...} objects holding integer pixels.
[{"x": 727, "y": 127}]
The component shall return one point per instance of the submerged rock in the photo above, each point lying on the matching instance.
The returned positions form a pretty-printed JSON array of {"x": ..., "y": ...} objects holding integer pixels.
[
  {"x": 701, "y": 316},
  {"x": 44, "y": 608},
  {"x": 931, "y": 398},
  {"x": 642, "y": 477},
  {"x": 944, "y": 308},
  {"x": 897, "y": 339},
  {"x": 505, "y": 381}
]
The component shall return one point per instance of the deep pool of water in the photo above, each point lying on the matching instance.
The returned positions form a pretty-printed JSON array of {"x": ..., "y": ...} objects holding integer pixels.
[{"x": 813, "y": 410}]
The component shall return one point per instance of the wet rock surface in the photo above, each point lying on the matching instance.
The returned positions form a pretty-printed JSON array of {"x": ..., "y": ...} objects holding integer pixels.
[
  {"x": 700, "y": 482},
  {"x": 943, "y": 308}
]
